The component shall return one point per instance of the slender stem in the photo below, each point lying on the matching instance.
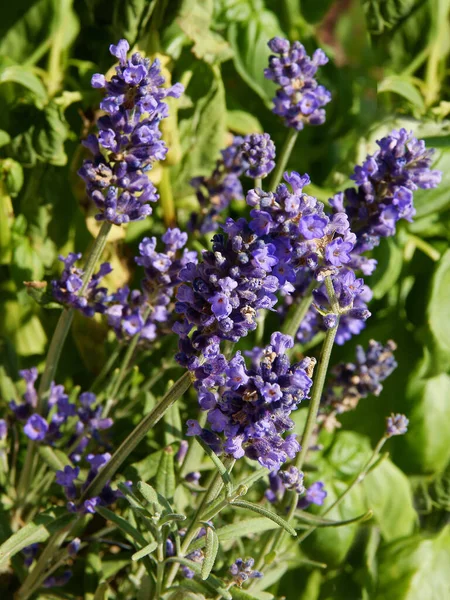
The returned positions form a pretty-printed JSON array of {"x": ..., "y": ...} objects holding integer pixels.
[
  {"x": 258, "y": 182},
  {"x": 358, "y": 479},
  {"x": 137, "y": 435},
  {"x": 211, "y": 494},
  {"x": 275, "y": 539},
  {"x": 65, "y": 320},
  {"x": 125, "y": 364},
  {"x": 55, "y": 349},
  {"x": 426, "y": 248},
  {"x": 297, "y": 312},
  {"x": 106, "y": 368},
  {"x": 283, "y": 159}
]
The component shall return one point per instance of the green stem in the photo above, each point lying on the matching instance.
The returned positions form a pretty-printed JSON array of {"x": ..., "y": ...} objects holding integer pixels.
[
  {"x": 426, "y": 248},
  {"x": 275, "y": 538},
  {"x": 65, "y": 320},
  {"x": 258, "y": 182},
  {"x": 211, "y": 494},
  {"x": 358, "y": 479},
  {"x": 297, "y": 312},
  {"x": 124, "y": 366},
  {"x": 54, "y": 353},
  {"x": 106, "y": 368},
  {"x": 137, "y": 435},
  {"x": 283, "y": 159}
]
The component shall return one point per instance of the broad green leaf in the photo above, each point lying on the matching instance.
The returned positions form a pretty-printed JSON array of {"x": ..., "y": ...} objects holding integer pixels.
[
  {"x": 249, "y": 42},
  {"x": 203, "y": 131},
  {"x": 269, "y": 514},
  {"x": 148, "y": 549},
  {"x": 394, "y": 512},
  {"x": 348, "y": 454},
  {"x": 331, "y": 544},
  {"x": 165, "y": 478},
  {"x": 211, "y": 549},
  {"x": 39, "y": 530},
  {"x": 25, "y": 77},
  {"x": 425, "y": 448},
  {"x": 415, "y": 568},
  {"x": 242, "y": 122},
  {"x": 5, "y": 138},
  {"x": 402, "y": 86},
  {"x": 438, "y": 323},
  {"x": 146, "y": 468},
  {"x": 195, "y": 21}
]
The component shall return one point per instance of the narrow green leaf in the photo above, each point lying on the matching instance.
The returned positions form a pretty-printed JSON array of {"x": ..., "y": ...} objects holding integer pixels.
[
  {"x": 265, "y": 513},
  {"x": 122, "y": 524},
  {"x": 55, "y": 459},
  {"x": 211, "y": 549},
  {"x": 39, "y": 530},
  {"x": 137, "y": 435},
  {"x": 165, "y": 478},
  {"x": 240, "y": 594},
  {"x": 172, "y": 517},
  {"x": 145, "y": 551},
  {"x": 242, "y": 122},
  {"x": 213, "y": 583},
  {"x": 148, "y": 492},
  {"x": 100, "y": 592},
  {"x": 320, "y": 522},
  {"x": 218, "y": 463}
]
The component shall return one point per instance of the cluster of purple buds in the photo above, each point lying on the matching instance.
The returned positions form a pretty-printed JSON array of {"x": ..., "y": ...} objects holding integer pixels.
[
  {"x": 147, "y": 311},
  {"x": 396, "y": 425},
  {"x": 129, "y": 139},
  {"x": 299, "y": 98},
  {"x": 253, "y": 156},
  {"x": 242, "y": 570},
  {"x": 23, "y": 410},
  {"x": 3, "y": 430},
  {"x": 67, "y": 289},
  {"x": 222, "y": 294},
  {"x": 384, "y": 194},
  {"x": 251, "y": 405},
  {"x": 352, "y": 296},
  {"x": 352, "y": 381},
  {"x": 216, "y": 191},
  {"x": 77, "y": 426},
  {"x": 292, "y": 480},
  {"x": 258, "y": 155},
  {"x": 305, "y": 238}
]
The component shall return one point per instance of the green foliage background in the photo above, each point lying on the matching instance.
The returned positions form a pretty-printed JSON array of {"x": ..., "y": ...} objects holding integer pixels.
[{"x": 389, "y": 67}]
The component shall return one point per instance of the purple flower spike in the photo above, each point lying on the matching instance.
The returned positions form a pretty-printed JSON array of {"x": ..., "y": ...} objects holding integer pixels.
[
  {"x": 129, "y": 138},
  {"x": 299, "y": 98}
]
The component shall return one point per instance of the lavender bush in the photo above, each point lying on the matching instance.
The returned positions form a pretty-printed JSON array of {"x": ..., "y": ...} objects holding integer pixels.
[{"x": 193, "y": 404}]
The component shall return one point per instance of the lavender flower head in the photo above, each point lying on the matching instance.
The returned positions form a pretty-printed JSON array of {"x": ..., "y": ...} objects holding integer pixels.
[
  {"x": 129, "y": 139},
  {"x": 315, "y": 494},
  {"x": 67, "y": 289},
  {"x": 148, "y": 311},
  {"x": 24, "y": 409},
  {"x": 216, "y": 191},
  {"x": 258, "y": 154},
  {"x": 396, "y": 425},
  {"x": 251, "y": 405},
  {"x": 221, "y": 295},
  {"x": 352, "y": 381},
  {"x": 3, "y": 430},
  {"x": 299, "y": 99},
  {"x": 385, "y": 185},
  {"x": 242, "y": 570}
]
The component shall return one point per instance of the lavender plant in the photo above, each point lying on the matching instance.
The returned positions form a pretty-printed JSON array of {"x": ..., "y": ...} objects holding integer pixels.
[{"x": 210, "y": 407}]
